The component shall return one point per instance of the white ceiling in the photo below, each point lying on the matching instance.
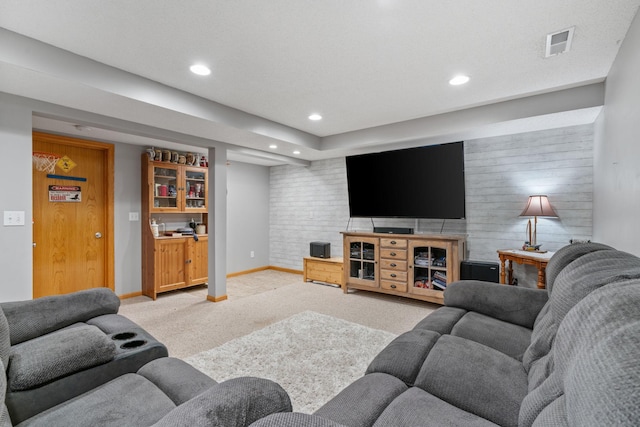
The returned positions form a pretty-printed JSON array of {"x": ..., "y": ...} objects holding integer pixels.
[{"x": 362, "y": 64}]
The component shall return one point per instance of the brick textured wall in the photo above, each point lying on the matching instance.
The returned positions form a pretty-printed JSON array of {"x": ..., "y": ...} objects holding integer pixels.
[{"x": 311, "y": 204}]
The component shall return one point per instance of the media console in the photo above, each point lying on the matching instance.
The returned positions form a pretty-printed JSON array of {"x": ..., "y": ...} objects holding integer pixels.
[{"x": 417, "y": 266}]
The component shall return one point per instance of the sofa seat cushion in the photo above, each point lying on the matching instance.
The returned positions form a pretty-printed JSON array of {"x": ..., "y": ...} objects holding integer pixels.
[
  {"x": 416, "y": 407},
  {"x": 58, "y": 354},
  {"x": 475, "y": 378},
  {"x": 403, "y": 357},
  {"x": 362, "y": 401},
  {"x": 128, "y": 400},
  {"x": 177, "y": 379},
  {"x": 237, "y": 402},
  {"x": 505, "y": 337},
  {"x": 442, "y": 320}
]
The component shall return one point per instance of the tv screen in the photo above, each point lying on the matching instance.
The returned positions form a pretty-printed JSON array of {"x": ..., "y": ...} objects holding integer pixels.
[{"x": 424, "y": 182}]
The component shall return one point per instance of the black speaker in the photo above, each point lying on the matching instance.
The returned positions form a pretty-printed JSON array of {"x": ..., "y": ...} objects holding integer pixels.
[
  {"x": 477, "y": 270},
  {"x": 393, "y": 230},
  {"x": 320, "y": 249}
]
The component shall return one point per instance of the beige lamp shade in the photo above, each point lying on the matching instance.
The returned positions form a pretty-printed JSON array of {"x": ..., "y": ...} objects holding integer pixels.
[{"x": 539, "y": 206}]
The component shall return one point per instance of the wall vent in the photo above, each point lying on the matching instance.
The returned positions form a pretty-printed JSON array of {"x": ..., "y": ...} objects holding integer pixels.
[{"x": 559, "y": 42}]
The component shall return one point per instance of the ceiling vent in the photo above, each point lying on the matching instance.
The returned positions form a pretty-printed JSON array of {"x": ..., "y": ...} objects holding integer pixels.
[{"x": 559, "y": 42}]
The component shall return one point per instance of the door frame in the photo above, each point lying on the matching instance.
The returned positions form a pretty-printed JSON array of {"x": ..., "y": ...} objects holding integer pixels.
[{"x": 109, "y": 152}]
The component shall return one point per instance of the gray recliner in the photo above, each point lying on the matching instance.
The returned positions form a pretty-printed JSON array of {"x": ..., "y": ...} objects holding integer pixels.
[
  {"x": 503, "y": 355},
  {"x": 58, "y": 350},
  {"x": 62, "y": 346}
]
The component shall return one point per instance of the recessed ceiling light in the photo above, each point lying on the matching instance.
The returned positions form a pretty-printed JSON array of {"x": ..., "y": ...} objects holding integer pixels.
[
  {"x": 199, "y": 69},
  {"x": 315, "y": 117},
  {"x": 273, "y": 146},
  {"x": 459, "y": 80},
  {"x": 296, "y": 152}
]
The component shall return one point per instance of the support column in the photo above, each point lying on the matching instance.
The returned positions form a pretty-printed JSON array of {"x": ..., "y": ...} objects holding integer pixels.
[{"x": 217, "y": 224}]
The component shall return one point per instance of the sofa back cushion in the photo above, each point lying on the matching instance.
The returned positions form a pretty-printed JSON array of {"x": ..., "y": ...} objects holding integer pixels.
[
  {"x": 593, "y": 266},
  {"x": 33, "y": 318},
  {"x": 5, "y": 342},
  {"x": 595, "y": 373},
  {"x": 565, "y": 256}
]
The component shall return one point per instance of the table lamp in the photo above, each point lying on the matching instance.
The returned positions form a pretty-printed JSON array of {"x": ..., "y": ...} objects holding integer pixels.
[{"x": 537, "y": 205}]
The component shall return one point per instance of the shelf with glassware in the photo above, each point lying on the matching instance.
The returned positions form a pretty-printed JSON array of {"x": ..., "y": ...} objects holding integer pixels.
[
  {"x": 174, "y": 246},
  {"x": 417, "y": 266},
  {"x": 174, "y": 187}
]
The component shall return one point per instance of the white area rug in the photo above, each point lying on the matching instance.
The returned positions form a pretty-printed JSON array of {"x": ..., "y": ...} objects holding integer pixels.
[{"x": 311, "y": 355}]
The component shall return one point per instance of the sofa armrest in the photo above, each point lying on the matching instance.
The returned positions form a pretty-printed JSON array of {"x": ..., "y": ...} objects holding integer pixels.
[
  {"x": 512, "y": 304},
  {"x": 295, "y": 419},
  {"x": 47, "y": 358},
  {"x": 236, "y": 402},
  {"x": 34, "y": 318}
]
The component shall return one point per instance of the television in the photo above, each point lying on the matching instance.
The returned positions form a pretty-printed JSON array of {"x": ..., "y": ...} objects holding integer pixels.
[{"x": 423, "y": 182}]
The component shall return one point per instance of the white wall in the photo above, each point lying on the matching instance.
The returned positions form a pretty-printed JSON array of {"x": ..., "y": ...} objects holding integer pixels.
[
  {"x": 617, "y": 151},
  {"x": 15, "y": 174},
  {"x": 127, "y": 241},
  {"x": 311, "y": 204},
  {"x": 248, "y": 219}
]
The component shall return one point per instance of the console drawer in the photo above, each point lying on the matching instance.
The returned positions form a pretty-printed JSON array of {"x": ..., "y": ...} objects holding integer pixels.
[
  {"x": 394, "y": 286},
  {"x": 393, "y": 243},
  {"x": 393, "y": 275},
  {"x": 393, "y": 264},
  {"x": 393, "y": 253}
]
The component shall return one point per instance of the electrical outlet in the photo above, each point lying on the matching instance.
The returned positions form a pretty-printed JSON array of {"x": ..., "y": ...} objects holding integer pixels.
[
  {"x": 133, "y": 216},
  {"x": 253, "y": 254},
  {"x": 13, "y": 218}
]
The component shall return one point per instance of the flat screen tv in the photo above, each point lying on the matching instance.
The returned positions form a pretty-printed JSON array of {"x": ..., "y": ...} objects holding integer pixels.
[{"x": 423, "y": 182}]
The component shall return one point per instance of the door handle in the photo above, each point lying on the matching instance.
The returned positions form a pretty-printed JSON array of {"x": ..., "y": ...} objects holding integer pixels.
[{"x": 98, "y": 235}]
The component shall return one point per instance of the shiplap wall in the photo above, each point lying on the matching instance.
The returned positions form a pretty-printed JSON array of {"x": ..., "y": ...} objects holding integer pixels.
[{"x": 311, "y": 204}]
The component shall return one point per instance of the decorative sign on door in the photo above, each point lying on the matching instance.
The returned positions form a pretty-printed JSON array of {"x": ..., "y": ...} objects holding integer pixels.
[{"x": 65, "y": 193}]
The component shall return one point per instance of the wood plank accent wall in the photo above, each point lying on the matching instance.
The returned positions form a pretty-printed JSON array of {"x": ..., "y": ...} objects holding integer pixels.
[{"x": 311, "y": 204}]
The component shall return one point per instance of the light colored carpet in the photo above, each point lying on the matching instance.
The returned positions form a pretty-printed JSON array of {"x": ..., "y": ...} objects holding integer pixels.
[
  {"x": 187, "y": 323},
  {"x": 312, "y": 356}
]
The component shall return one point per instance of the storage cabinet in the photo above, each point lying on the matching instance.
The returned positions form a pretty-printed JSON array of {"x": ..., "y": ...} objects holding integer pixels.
[
  {"x": 171, "y": 188},
  {"x": 177, "y": 262},
  {"x": 417, "y": 266},
  {"x": 172, "y": 262}
]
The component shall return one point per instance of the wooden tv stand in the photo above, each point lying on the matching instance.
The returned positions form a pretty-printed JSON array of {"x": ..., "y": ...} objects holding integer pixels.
[{"x": 417, "y": 266}]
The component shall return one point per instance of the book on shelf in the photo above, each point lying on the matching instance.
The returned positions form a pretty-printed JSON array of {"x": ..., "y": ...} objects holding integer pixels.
[
  {"x": 439, "y": 284},
  {"x": 440, "y": 275}
]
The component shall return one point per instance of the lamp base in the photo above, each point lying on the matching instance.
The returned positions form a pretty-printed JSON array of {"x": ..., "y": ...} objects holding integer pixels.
[{"x": 531, "y": 248}]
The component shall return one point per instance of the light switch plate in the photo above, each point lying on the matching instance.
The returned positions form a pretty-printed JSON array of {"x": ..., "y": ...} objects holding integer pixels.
[
  {"x": 133, "y": 216},
  {"x": 13, "y": 218}
]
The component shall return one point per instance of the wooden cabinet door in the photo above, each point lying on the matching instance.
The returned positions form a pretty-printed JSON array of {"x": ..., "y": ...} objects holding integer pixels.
[
  {"x": 170, "y": 262},
  {"x": 361, "y": 261},
  {"x": 198, "y": 260}
]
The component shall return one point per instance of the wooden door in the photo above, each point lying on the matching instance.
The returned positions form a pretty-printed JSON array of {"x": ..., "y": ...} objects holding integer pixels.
[{"x": 73, "y": 217}]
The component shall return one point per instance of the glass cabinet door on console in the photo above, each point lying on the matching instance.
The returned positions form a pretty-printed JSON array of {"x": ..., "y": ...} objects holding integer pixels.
[
  {"x": 362, "y": 257},
  {"x": 429, "y": 268}
]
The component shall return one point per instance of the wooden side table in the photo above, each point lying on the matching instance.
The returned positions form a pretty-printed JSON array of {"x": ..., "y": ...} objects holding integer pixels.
[
  {"x": 537, "y": 259},
  {"x": 327, "y": 270}
]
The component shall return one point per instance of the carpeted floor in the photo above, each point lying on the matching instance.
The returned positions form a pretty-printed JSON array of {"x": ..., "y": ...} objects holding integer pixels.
[
  {"x": 313, "y": 356},
  {"x": 188, "y": 324}
]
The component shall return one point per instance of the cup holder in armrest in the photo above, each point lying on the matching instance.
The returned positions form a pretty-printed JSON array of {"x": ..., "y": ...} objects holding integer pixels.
[
  {"x": 124, "y": 336},
  {"x": 133, "y": 344}
]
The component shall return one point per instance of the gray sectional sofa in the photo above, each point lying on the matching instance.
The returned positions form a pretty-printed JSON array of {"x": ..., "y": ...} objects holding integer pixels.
[
  {"x": 509, "y": 356},
  {"x": 71, "y": 360}
]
